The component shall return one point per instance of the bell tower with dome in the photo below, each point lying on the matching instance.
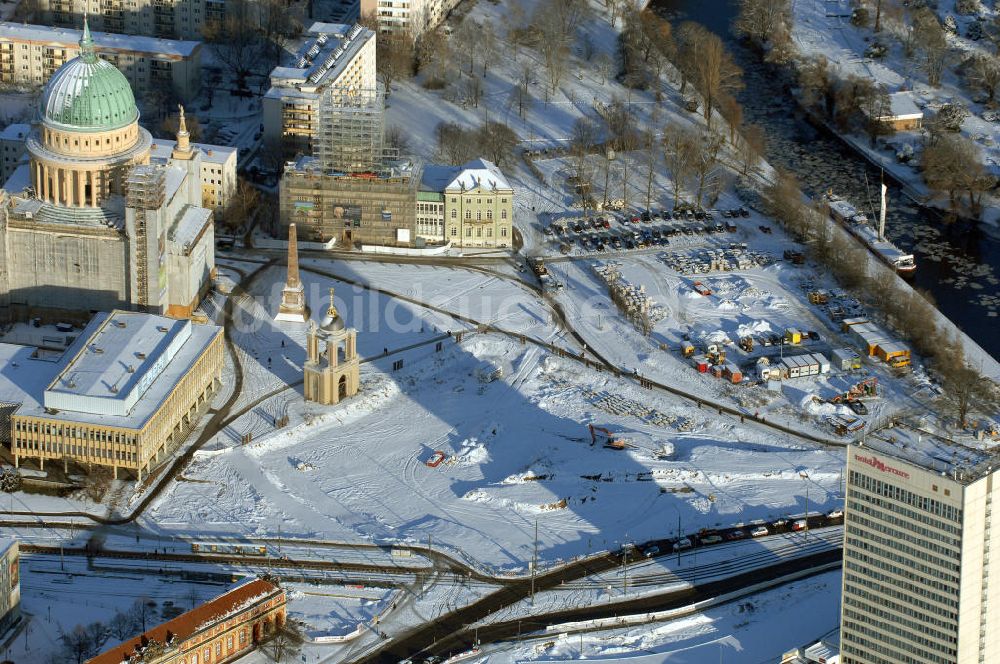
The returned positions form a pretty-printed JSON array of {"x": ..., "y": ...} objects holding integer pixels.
[
  {"x": 89, "y": 133},
  {"x": 335, "y": 375}
]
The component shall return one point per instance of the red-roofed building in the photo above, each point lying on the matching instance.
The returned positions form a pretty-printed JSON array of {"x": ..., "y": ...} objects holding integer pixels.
[{"x": 216, "y": 632}]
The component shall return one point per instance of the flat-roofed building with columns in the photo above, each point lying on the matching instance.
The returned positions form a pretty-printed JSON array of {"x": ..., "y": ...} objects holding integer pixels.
[{"x": 124, "y": 395}]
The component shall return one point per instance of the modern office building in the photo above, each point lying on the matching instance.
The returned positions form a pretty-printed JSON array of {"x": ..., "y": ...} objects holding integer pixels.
[
  {"x": 338, "y": 58},
  {"x": 31, "y": 54},
  {"x": 123, "y": 395},
  {"x": 918, "y": 552}
]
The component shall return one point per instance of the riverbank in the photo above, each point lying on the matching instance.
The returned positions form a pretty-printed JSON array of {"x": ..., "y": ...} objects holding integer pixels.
[{"x": 956, "y": 260}]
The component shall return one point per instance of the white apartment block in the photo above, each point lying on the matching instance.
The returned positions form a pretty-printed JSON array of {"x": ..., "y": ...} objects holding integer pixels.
[
  {"x": 412, "y": 16},
  {"x": 177, "y": 19},
  {"x": 218, "y": 170},
  {"x": 918, "y": 556},
  {"x": 31, "y": 54},
  {"x": 338, "y": 57}
]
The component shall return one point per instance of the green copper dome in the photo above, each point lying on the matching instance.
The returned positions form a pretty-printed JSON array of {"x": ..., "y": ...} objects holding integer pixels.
[{"x": 88, "y": 93}]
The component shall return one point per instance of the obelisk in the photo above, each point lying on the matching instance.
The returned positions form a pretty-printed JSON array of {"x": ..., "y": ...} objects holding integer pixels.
[{"x": 293, "y": 297}]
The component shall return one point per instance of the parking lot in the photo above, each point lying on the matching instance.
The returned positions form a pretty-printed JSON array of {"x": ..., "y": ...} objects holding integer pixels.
[{"x": 624, "y": 232}]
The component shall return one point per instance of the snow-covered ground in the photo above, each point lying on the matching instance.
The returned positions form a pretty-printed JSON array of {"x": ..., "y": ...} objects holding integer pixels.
[{"x": 756, "y": 630}]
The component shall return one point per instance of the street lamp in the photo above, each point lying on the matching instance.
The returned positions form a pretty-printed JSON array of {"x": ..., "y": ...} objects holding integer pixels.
[{"x": 805, "y": 476}]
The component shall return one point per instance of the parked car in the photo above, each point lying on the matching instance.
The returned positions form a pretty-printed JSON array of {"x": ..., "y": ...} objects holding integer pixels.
[
  {"x": 710, "y": 539},
  {"x": 759, "y": 531},
  {"x": 547, "y": 230},
  {"x": 682, "y": 543},
  {"x": 835, "y": 514},
  {"x": 735, "y": 535},
  {"x": 577, "y": 227},
  {"x": 800, "y": 524},
  {"x": 651, "y": 551},
  {"x": 779, "y": 523},
  {"x": 858, "y": 407}
]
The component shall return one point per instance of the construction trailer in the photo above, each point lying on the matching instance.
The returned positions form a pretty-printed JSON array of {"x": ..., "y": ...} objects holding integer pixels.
[
  {"x": 845, "y": 359},
  {"x": 687, "y": 349},
  {"x": 701, "y": 363},
  {"x": 810, "y": 364},
  {"x": 894, "y": 353},
  {"x": 732, "y": 372},
  {"x": 847, "y": 323},
  {"x": 868, "y": 337}
]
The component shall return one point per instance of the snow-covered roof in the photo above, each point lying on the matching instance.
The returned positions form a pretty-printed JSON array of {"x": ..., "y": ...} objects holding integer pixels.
[
  {"x": 437, "y": 177},
  {"x": 902, "y": 107},
  {"x": 104, "y": 41},
  {"x": 15, "y": 132},
  {"x": 194, "y": 621},
  {"x": 191, "y": 226},
  {"x": 78, "y": 387},
  {"x": 332, "y": 48},
  {"x": 19, "y": 179},
  {"x": 478, "y": 173},
  {"x": 216, "y": 154}
]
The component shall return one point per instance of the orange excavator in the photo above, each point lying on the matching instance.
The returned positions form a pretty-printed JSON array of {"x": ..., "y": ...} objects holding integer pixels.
[{"x": 607, "y": 439}]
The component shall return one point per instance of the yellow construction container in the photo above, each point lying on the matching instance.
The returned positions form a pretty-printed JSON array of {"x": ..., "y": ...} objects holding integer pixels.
[{"x": 793, "y": 336}]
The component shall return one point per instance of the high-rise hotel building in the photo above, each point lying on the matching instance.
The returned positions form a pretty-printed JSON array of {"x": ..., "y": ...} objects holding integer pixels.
[{"x": 918, "y": 556}]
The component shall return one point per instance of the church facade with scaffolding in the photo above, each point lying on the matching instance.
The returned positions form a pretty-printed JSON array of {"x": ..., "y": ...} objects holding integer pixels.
[{"x": 89, "y": 223}]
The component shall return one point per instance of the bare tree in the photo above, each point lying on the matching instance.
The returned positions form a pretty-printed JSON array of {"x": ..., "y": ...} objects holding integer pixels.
[
  {"x": 77, "y": 644},
  {"x": 121, "y": 626},
  {"x": 398, "y": 138},
  {"x": 488, "y": 45},
  {"x": 620, "y": 122},
  {"x": 983, "y": 71},
  {"x": 715, "y": 73},
  {"x": 277, "y": 27},
  {"x": 760, "y": 20},
  {"x": 817, "y": 80},
  {"x": 604, "y": 64},
  {"x": 143, "y": 611},
  {"x": 235, "y": 40},
  {"x": 98, "y": 634},
  {"x": 467, "y": 40},
  {"x": 706, "y": 164},
  {"x": 732, "y": 113},
  {"x": 286, "y": 641},
  {"x": 581, "y": 144},
  {"x": 554, "y": 41},
  {"x": 963, "y": 385},
  {"x": 930, "y": 35},
  {"x": 396, "y": 57},
  {"x": 242, "y": 206},
  {"x": 497, "y": 141},
  {"x": 651, "y": 152},
  {"x": 750, "y": 146},
  {"x": 954, "y": 163},
  {"x": 521, "y": 93},
  {"x": 876, "y": 107},
  {"x": 680, "y": 150}
]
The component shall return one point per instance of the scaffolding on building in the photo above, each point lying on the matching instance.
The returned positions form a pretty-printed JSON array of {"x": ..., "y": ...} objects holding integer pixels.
[
  {"x": 350, "y": 132},
  {"x": 145, "y": 190}
]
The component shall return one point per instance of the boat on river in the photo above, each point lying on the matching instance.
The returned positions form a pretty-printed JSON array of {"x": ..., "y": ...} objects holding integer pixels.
[{"x": 856, "y": 223}]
